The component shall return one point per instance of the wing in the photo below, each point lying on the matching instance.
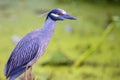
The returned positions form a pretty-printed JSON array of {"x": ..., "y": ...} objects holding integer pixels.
[{"x": 23, "y": 53}]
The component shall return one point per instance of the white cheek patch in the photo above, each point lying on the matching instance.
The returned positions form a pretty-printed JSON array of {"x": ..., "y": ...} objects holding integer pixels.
[{"x": 54, "y": 15}]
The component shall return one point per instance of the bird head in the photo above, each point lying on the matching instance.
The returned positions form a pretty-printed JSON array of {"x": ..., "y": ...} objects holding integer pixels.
[{"x": 59, "y": 14}]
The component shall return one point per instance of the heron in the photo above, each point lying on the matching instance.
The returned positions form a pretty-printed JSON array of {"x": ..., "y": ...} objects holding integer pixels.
[{"x": 32, "y": 46}]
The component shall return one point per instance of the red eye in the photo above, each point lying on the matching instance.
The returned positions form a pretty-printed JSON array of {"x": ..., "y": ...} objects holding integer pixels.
[{"x": 59, "y": 14}]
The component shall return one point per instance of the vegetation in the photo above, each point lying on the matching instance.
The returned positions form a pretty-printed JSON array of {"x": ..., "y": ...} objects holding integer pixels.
[
  {"x": 92, "y": 1},
  {"x": 93, "y": 40}
]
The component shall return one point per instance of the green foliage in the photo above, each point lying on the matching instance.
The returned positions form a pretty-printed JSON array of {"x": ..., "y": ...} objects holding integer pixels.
[
  {"x": 91, "y": 1},
  {"x": 116, "y": 19},
  {"x": 85, "y": 55}
]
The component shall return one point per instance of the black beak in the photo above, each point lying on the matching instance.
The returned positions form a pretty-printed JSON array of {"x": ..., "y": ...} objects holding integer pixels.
[{"x": 66, "y": 16}]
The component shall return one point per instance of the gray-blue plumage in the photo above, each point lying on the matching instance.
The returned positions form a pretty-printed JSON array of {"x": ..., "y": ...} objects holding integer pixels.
[{"x": 32, "y": 46}]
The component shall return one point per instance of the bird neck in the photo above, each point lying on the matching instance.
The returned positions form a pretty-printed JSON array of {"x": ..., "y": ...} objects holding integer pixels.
[{"x": 49, "y": 25}]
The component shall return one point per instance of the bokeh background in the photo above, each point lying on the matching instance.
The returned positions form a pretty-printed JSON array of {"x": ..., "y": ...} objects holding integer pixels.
[{"x": 85, "y": 49}]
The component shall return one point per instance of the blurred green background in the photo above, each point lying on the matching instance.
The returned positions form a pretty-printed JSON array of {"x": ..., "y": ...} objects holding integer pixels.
[{"x": 85, "y": 49}]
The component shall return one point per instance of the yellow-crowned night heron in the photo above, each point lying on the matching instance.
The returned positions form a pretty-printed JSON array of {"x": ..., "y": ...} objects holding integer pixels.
[{"x": 32, "y": 46}]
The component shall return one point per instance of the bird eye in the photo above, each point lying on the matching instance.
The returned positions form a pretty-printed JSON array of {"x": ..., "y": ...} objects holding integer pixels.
[{"x": 59, "y": 14}]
